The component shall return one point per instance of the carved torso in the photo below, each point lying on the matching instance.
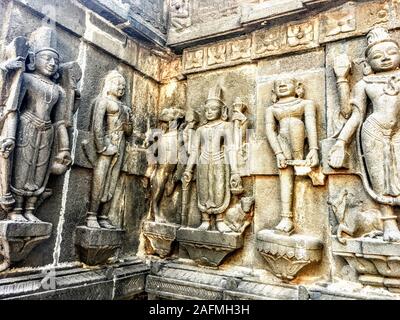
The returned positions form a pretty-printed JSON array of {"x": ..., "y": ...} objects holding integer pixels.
[{"x": 40, "y": 97}]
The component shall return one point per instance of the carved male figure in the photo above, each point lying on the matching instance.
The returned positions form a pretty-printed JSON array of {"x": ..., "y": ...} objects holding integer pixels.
[
  {"x": 169, "y": 147},
  {"x": 286, "y": 133},
  {"x": 214, "y": 153},
  {"x": 376, "y": 130},
  {"x": 37, "y": 131},
  {"x": 111, "y": 124}
]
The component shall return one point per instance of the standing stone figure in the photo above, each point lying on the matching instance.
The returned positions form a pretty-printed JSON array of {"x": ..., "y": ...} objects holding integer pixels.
[
  {"x": 111, "y": 123},
  {"x": 34, "y": 130},
  {"x": 377, "y": 131},
  {"x": 214, "y": 152},
  {"x": 287, "y": 142},
  {"x": 167, "y": 171}
]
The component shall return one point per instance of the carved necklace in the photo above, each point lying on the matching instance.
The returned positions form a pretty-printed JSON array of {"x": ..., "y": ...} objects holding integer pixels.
[
  {"x": 49, "y": 82},
  {"x": 289, "y": 104}
]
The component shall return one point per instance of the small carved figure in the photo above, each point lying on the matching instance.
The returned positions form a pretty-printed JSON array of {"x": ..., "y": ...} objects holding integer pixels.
[
  {"x": 239, "y": 217},
  {"x": 180, "y": 15},
  {"x": 213, "y": 152},
  {"x": 111, "y": 123},
  {"x": 34, "y": 124},
  {"x": 353, "y": 221},
  {"x": 377, "y": 132},
  {"x": 288, "y": 111},
  {"x": 166, "y": 174},
  {"x": 216, "y": 54}
]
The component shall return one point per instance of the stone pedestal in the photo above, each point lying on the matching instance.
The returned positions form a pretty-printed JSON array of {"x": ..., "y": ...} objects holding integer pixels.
[
  {"x": 376, "y": 261},
  {"x": 208, "y": 248},
  {"x": 287, "y": 255},
  {"x": 161, "y": 237},
  {"x": 18, "y": 239},
  {"x": 96, "y": 246}
]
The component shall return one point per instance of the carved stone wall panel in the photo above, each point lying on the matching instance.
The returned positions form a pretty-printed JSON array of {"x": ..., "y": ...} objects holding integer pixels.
[
  {"x": 288, "y": 38},
  {"x": 354, "y": 19},
  {"x": 222, "y": 54},
  {"x": 149, "y": 63}
]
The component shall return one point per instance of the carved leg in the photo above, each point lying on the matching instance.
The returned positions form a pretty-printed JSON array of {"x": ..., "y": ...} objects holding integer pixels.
[
  {"x": 30, "y": 208},
  {"x": 286, "y": 185},
  {"x": 343, "y": 229},
  {"x": 160, "y": 180},
  {"x": 103, "y": 220},
  {"x": 221, "y": 225},
  {"x": 16, "y": 214},
  {"x": 98, "y": 185},
  {"x": 390, "y": 229},
  {"x": 205, "y": 224}
]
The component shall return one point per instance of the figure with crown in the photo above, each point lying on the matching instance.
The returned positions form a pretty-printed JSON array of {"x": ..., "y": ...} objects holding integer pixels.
[
  {"x": 36, "y": 109},
  {"x": 374, "y": 125},
  {"x": 214, "y": 153}
]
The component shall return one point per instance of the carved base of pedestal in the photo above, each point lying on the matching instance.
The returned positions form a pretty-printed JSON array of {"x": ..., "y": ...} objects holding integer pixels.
[
  {"x": 376, "y": 261},
  {"x": 18, "y": 239},
  {"x": 161, "y": 236},
  {"x": 208, "y": 248},
  {"x": 287, "y": 255},
  {"x": 96, "y": 246}
]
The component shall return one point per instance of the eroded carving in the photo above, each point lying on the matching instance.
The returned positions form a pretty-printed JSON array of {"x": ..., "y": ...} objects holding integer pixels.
[
  {"x": 180, "y": 15},
  {"x": 111, "y": 124}
]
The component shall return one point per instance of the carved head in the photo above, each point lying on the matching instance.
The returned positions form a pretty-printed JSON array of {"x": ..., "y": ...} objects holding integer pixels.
[
  {"x": 172, "y": 117},
  {"x": 215, "y": 108},
  {"x": 247, "y": 203},
  {"x": 382, "y": 53},
  {"x": 43, "y": 57},
  {"x": 114, "y": 85},
  {"x": 287, "y": 87}
]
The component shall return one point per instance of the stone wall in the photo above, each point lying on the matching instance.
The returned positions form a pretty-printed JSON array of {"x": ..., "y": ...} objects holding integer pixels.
[{"x": 176, "y": 57}]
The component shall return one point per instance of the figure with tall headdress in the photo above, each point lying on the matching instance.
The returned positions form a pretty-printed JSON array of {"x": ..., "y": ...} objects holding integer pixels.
[
  {"x": 213, "y": 152},
  {"x": 376, "y": 129},
  {"x": 36, "y": 112}
]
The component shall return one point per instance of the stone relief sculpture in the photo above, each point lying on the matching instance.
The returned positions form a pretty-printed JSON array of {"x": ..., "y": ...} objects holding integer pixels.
[
  {"x": 112, "y": 123},
  {"x": 166, "y": 174},
  {"x": 288, "y": 143},
  {"x": 370, "y": 117},
  {"x": 287, "y": 132},
  {"x": 35, "y": 114},
  {"x": 376, "y": 133},
  {"x": 216, "y": 162},
  {"x": 180, "y": 15},
  {"x": 353, "y": 220},
  {"x": 213, "y": 153}
]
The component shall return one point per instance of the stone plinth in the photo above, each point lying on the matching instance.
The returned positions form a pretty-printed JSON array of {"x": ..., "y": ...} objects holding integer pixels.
[
  {"x": 209, "y": 248},
  {"x": 96, "y": 246},
  {"x": 161, "y": 237},
  {"x": 376, "y": 261},
  {"x": 18, "y": 239},
  {"x": 286, "y": 255}
]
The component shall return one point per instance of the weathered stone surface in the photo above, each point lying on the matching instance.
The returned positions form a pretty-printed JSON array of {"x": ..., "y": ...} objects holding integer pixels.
[
  {"x": 161, "y": 237},
  {"x": 96, "y": 246}
]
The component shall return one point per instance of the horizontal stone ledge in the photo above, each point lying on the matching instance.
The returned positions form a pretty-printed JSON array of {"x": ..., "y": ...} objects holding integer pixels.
[{"x": 117, "y": 281}]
